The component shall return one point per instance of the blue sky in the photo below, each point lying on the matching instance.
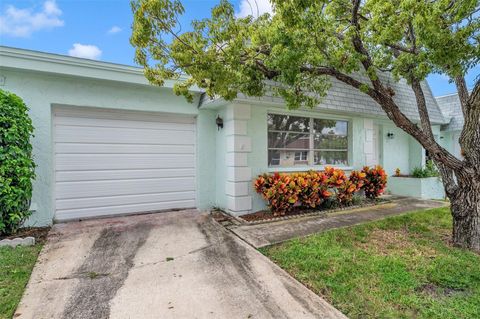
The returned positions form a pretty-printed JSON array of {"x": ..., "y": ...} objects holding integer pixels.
[{"x": 100, "y": 29}]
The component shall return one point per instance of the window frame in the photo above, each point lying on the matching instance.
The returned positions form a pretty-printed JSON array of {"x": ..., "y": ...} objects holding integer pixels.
[{"x": 311, "y": 134}]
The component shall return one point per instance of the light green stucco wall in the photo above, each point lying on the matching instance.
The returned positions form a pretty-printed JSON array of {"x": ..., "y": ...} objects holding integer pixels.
[
  {"x": 446, "y": 140},
  {"x": 395, "y": 151},
  {"x": 206, "y": 155},
  {"x": 449, "y": 140},
  {"x": 42, "y": 91},
  {"x": 426, "y": 188},
  {"x": 417, "y": 154},
  {"x": 220, "y": 163}
]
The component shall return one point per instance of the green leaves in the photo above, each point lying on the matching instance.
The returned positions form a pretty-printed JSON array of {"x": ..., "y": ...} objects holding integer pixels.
[
  {"x": 225, "y": 55},
  {"x": 16, "y": 162}
]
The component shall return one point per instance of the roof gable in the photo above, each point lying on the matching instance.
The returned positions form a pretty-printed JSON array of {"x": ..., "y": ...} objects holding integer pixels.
[{"x": 452, "y": 110}]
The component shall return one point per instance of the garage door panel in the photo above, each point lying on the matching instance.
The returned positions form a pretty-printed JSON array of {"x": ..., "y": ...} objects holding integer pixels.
[
  {"x": 77, "y": 134},
  {"x": 84, "y": 189},
  {"x": 110, "y": 201},
  {"x": 96, "y": 122},
  {"x": 79, "y": 148},
  {"x": 76, "y": 176},
  {"x": 72, "y": 162},
  {"x": 111, "y": 163},
  {"x": 123, "y": 209},
  {"x": 79, "y": 114}
]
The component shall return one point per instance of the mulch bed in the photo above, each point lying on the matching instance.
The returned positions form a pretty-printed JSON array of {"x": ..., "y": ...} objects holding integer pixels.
[
  {"x": 40, "y": 234},
  {"x": 267, "y": 215}
]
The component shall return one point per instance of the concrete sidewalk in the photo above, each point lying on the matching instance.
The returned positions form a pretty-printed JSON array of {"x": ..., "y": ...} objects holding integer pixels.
[
  {"x": 266, "y": 234},
  {"x": 166, "y": 265}
]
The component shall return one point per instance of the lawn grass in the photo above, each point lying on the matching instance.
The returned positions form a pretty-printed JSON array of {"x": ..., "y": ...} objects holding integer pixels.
[
  {"x": 16, "y": 265},
  {"x": 400, "y": 267}
]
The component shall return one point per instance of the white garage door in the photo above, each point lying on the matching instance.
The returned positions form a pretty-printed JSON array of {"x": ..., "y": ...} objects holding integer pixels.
[{"x": 111, "y": 163}]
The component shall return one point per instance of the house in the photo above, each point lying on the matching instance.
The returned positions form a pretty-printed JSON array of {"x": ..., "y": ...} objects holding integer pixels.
[
  {"x": 108, "y": 143},
  {"x": 452, "y": 111}
]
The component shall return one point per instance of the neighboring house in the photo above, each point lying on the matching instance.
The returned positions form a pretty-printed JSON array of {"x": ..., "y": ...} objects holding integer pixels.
[
  {"x": 108, "y": 143},
  {"x": 452, "y": 111}
]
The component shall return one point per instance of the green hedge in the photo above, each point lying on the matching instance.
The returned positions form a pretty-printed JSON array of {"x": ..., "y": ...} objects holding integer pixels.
[{"x": 17, "y": 169}]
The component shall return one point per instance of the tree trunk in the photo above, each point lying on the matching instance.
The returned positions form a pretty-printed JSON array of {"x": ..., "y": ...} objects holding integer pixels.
[
  {"x": 465, "y": 207},
  {"x": 465, "y": 200}
]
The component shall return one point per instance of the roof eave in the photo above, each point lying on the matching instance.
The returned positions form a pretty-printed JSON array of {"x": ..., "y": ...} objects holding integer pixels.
[{"x": 27, "y": 60}]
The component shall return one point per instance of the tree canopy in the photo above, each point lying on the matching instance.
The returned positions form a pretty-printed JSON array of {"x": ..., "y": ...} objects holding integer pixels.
[{"x": 304, "y": 43}]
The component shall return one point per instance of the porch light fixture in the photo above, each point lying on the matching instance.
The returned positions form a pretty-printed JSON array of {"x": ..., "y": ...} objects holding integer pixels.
[
  {"x": 390, "y": 135},
  {"x": 219, "y": 122}
]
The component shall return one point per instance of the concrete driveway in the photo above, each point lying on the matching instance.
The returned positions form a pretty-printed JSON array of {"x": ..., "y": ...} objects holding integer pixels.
[{"x": 166, "y": 265}]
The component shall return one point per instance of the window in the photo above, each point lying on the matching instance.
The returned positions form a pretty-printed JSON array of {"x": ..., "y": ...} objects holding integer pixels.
[
  {"x": 275, "y": 159},
  {"x": 294, "y": 140},
  {"x": 301, "y": 156}
]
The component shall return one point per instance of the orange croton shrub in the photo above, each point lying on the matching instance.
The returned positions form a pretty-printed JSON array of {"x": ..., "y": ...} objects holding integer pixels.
[
  {"x": 375, "y": 181},
  {"x": 281, "y": 191},
  {"x": 313, "y": 188},
  {"x": 353, "y": 184},
  {"x": 310, "y": 189}
]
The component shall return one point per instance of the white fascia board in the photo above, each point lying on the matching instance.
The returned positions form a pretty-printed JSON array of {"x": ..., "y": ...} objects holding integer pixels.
[{"x": 27, "y": 60}]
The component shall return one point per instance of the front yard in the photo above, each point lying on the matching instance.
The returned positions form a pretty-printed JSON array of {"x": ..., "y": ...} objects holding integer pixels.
[
  {"x": 16, "y": 266},
  {"x": 400, "y": 267}
]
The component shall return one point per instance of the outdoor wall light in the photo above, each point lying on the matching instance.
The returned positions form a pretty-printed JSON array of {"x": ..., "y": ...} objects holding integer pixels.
[
  {"x": 219, "y": 122},
  {"x": 390, "y": 135}
]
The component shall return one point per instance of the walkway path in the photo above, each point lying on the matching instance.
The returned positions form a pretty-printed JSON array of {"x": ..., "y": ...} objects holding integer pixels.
[{"x": 266, "y": 234}]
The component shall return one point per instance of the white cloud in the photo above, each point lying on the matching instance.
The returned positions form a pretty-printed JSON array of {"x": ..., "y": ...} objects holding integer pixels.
[
  {"x": 114, "y": 29},
  {"x": 86, "y": 51},
  {"x": 23, "y": 22},
  {"x": 254, "y": 8}
]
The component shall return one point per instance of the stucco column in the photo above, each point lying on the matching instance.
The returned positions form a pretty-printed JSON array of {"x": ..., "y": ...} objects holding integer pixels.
[{"x": 239, "y": 174}]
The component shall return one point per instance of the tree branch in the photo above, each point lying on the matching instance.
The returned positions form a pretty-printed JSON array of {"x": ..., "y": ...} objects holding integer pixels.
[
  {"x": 422, "y": 108},
  {"x": 341, "y": 77},
  {"x": 462, "y": 93},
  {"x": 402, "y": 48}
]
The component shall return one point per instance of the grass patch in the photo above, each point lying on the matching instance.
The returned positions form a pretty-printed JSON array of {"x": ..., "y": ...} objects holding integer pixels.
[
  {"x": 16, "y": 265},
  {"x": 400, "y": 267}
]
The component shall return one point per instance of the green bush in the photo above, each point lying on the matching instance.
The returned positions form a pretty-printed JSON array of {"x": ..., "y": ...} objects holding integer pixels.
[
  {"x": 16, "y": 162},
  {"x": 430, "y": 170}
]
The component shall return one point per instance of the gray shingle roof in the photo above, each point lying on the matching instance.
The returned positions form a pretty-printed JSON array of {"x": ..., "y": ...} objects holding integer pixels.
[
  {"x": 452, "y": 111},
  {"x": 343, "y": 98}
]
